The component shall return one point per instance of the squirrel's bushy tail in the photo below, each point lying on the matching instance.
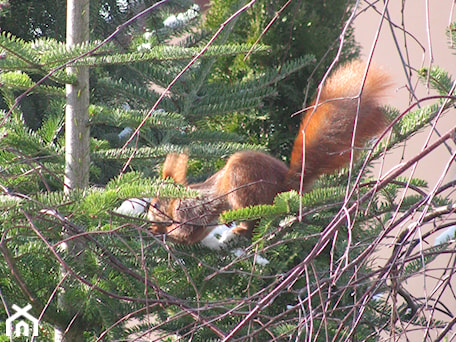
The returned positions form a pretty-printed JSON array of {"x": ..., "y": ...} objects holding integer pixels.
[{"x": 328, "y": 126}]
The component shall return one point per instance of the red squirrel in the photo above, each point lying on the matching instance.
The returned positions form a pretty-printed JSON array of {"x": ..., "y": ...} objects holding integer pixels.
[{"x": 323, "y": 145}]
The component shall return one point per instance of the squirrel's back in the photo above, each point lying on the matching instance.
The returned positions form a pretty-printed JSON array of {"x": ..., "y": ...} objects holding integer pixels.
[{"x": 328, "y": 125}]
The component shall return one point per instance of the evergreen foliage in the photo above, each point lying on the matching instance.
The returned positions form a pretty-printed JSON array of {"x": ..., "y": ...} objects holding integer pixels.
[
  {"x": 296, "y": 29},
  {"x": 307, "y": 274}
]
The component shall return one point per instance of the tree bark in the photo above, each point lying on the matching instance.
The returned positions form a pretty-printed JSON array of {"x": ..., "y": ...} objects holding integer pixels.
[
  {"x": 77, "y": 132},
  {"x": 77, "y": 144}
]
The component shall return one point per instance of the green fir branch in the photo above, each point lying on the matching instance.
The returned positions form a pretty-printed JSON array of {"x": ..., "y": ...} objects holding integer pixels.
[
  {"x": 209, "y": 150},
  {"x": 17, "y": 80},
  {"x": 167, "y": 53},
  {"x": 18, "y": 48},
  {"x": 438, "y": 79},
  {"x": 130, "y": 91},
  {"x": 133, "y": 118}
]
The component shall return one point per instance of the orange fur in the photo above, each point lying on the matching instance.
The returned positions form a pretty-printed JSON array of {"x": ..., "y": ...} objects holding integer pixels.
[
  {"x": 175, "y": 167},
  {"x": 329, "y": 125},
  {"x": 252, "y": 178}
]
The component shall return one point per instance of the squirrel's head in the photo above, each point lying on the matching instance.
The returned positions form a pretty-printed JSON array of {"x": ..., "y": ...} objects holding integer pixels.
[
  {"x": 179, "y": 219},
  {"x": 183, "y": 221},
  {"x": 161, "y": 214}
]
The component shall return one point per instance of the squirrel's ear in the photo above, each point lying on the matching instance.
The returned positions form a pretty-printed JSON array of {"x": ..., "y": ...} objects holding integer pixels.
[{"x": 175, "y": 167}]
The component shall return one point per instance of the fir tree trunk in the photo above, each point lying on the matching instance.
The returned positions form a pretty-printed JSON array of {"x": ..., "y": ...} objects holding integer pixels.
[
  {"x": 77, "y": 137},
  {"x": 77, "y": 156}
]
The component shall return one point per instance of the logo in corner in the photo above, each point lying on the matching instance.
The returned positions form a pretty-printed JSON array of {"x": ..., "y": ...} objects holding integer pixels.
[{"x": 20, "y": 324}]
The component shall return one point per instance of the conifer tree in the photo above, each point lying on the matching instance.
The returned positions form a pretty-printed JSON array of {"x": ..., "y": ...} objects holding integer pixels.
[{"x": 33, "y": 157}]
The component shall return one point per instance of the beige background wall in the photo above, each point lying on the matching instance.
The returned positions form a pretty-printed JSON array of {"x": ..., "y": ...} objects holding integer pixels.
[{"x": 426, "y": 45}]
